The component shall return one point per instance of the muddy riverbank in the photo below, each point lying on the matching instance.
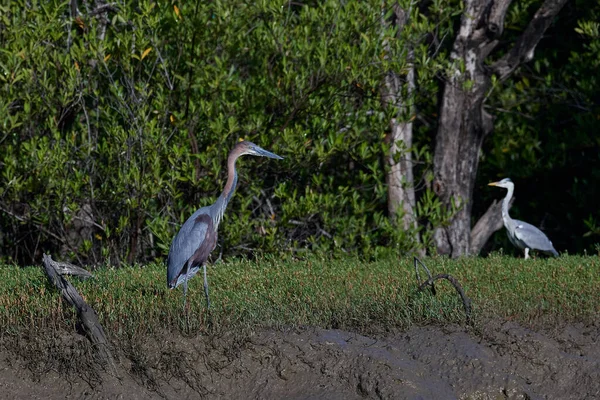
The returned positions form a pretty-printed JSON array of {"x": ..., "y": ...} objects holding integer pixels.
[{"x": 500, "y": 360}]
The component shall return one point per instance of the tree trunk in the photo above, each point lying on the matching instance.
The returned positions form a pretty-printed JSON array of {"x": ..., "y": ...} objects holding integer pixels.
[
  {"x": 401, "y": 193},
  {"x": 456, "y": 158},
  {"x": 399, "y": 178},
  {"x": 463, "y": 123}
]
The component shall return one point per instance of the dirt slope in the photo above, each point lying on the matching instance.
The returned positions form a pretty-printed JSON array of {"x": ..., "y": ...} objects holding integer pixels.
[{"x": 504, "y": 360}]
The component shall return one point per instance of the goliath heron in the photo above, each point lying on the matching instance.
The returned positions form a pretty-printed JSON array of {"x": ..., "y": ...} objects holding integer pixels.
[
  {"x": 521, "y": 234},
  {"x": 197, "y": 237}
]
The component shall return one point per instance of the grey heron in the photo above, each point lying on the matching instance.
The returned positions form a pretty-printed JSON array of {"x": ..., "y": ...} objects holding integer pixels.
[{"x": 521, "y": 234}]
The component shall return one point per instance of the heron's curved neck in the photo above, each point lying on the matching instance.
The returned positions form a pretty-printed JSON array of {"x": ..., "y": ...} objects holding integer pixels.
[
  {"x": 223, "y": 200},
  {"x": 510, "y": 189}
]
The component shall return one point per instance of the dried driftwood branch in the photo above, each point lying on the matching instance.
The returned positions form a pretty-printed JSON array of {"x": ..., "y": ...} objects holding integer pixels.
[
  {"x": 431, "y": 280},
  {"x": 64, "y": 268},
  {"x": 86, "y": 314}
]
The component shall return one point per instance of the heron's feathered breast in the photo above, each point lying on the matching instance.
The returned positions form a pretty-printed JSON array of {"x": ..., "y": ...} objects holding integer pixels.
[
  {"x": 196, "y": 234},
  {"x": 208, "y": 244}
]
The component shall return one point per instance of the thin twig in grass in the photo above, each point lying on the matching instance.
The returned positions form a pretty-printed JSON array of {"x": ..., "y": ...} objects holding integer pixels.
[
  {"x": 431, "y": 280},
  {"x": 417, "y": 262}
]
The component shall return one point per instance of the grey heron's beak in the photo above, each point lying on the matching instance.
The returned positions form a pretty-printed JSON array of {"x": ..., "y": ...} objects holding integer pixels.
[
  {"x": 264, "y": 153},
  {"x": 493, "y": 184}
]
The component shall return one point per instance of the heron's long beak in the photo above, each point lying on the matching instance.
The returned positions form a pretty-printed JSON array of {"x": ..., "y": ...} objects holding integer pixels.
[
  {"x": 264, "y": 153},
  {"x": 493, "y": 184}
]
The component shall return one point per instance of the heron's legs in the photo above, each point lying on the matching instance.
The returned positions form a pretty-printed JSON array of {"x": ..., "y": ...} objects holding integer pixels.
[
  {"x": 206, "y": 288},
  {"x": 185, "y": 286},
  {"x": 526, "y": 253}
]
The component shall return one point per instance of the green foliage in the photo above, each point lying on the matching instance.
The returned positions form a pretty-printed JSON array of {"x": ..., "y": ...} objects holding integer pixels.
[
  {"x": 589, "y": 28},
  {"x": 344, "y": 293},
  {"x": 116, "y": 125},
  {"x": 113, "y": 133}
]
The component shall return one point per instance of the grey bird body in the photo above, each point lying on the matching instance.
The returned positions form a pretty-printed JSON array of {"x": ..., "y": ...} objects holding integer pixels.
[
  {"x": 522, "y": 235},
  {"x": 191, "y": 247},
  {"x": 197, "y": 237}
]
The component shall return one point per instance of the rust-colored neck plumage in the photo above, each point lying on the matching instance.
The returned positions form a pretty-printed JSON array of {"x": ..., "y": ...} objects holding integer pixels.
[{"x": 223, "y": 200}]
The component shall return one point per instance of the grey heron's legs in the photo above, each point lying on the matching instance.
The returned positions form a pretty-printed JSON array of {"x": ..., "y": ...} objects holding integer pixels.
[
  {"x": 526, "y": 253},
  {"x": 206, "y": 288}
]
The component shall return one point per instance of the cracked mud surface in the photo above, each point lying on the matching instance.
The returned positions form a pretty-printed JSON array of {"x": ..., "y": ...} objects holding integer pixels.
[{"x": 503, "y": 360}]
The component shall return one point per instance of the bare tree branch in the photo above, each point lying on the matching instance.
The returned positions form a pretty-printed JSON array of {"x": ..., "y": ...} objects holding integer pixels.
[
  {"x": 38, "y": 226},
  {"x": 524, "y": 47},
  {"x": 102, "y": 8},
  {"x": 495, "y": 18},
  {"x": 489, "y": 223}
]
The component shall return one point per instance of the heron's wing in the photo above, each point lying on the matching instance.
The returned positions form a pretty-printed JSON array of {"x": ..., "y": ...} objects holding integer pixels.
[
  {"x": 533, "y": 237},
  {"x": 187, "y": 241}
]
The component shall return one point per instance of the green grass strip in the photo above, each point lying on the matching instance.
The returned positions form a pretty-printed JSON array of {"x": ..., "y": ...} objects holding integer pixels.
[{"x": 331, "y": 293}]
